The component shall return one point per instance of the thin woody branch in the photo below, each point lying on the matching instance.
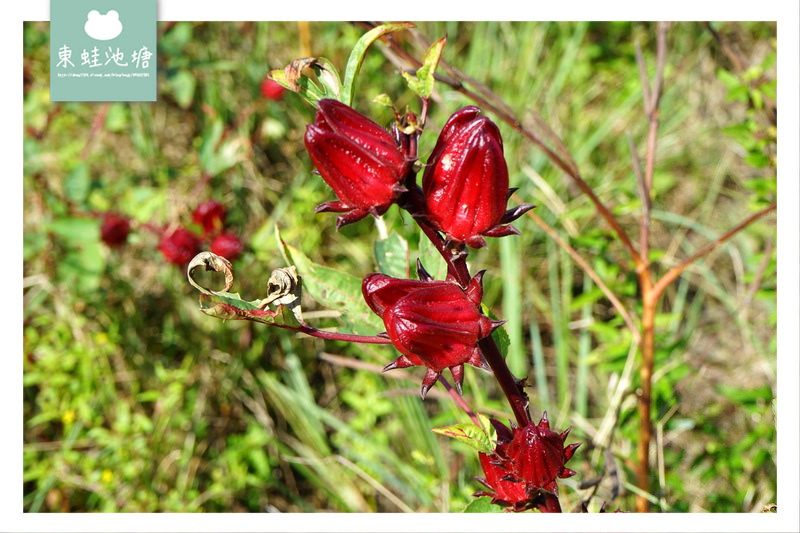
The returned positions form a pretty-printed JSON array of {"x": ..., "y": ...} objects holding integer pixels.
[
  {"x": 581, "y": 262},
  {"x": 651, "y": 98},
  {"x": 673, "y": 273},
  {"x": 644, "y": 196}
]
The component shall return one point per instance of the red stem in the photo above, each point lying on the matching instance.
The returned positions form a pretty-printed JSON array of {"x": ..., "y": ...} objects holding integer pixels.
[
  {"x": 346, "y": 337},
  {"x": 455, "y": 256}
]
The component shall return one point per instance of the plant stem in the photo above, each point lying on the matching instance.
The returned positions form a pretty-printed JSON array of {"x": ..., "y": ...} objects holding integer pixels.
[
  {"x": 455, "y": 256},
  {"x": 511, "y": 387},
  {"x": 651, "y": 97},
  {"x": 673, "y": 273},
  {"x": 645, "y": 394},
  {"x": 651, "y": 293},
  {"x": 345, "y": 337},
  {"x": 460, "y": 401}
]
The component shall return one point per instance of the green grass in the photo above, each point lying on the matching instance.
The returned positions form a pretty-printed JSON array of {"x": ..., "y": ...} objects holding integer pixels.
[{"x": 136, "y": 401}]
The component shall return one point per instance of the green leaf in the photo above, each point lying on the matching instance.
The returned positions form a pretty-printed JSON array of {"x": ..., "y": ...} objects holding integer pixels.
[
  {"x": 756, "y": 159},
  {"x": 339, "y": 291},
  {"x": 422, "y": 83},
  {"x": 82, "y": 267},
  {"x": 500, "y": 335},
  {"x": 33, "y": 242},
  {"x": 586, "y": 298},
  {"x": 384, "y": 99},
  {"x": 328, "y": 76},
  {"x": 730, "y": 80},
  {"x": 183, "y": 85},
  {"x": 741, "y": 133},
  {"x": 757, "y": 98},
  {"x": 359, "y": 51},
  {"x": 482, "y": 505},
  {"x": 117, "y": 117},
  {"x": 217, "y": 156},
  {"x": 392, "y": 256},
  {"x": 144, "y": 202},
  {"x": 738, "y": 94},
  {"x": 745, "y": 396},
  {"x": 173, "y": 41},
  {"x": 77, "y": 183},
  {"x": 477, "y": 438},
  {"x": 430, "y": 257},
  {"x": 75, "y": 230}
]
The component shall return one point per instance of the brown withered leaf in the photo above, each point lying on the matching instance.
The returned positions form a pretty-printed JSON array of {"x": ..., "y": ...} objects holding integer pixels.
[{"x": 284, "y": 290}]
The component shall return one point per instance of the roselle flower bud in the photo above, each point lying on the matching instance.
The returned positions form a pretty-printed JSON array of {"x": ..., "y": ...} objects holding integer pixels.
[
  {"x": 210, "y": 215},
  {"x": 435, "y": 324},
  {"x": 179, "y": 246},
  {"x": 538, "y": 455},
  {"x": 271, "y": 90},
  {"x": 466, "y": 181},
  {"x": 114, "y": 230},
  {"x": 227, "y": 245},
  {"x": 523, "y": 469},
  {"x": 357, "y": 158}
]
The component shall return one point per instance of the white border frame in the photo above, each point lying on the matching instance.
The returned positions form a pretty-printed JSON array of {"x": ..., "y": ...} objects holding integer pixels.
[{"x": 787, "y": 13}]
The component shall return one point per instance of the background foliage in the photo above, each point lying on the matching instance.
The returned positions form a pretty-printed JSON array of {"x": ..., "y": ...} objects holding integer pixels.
[{"x": 136, "y": 401}]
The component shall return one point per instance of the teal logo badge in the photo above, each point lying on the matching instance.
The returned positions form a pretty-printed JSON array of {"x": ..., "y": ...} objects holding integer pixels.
[{"x": 103, "y": 50}]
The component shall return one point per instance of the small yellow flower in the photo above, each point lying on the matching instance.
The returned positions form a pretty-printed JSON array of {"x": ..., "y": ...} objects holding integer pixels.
[
  {"x": 68, "y": 417},
  {"x": 107, "y": 476}
]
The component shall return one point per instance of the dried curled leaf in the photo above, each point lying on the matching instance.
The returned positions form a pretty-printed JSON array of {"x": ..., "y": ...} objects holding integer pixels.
[
  {"x": 284, "y": 291},
  {"x": 283, "y": 288},
  {"x": 293, "y": 77},
  {"x": 214, "y": 262}
]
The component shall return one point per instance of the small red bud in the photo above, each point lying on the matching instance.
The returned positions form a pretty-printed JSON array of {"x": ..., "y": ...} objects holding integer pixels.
[
  {"x": 114, "y": 230},
  {"x": 227, "y": 245},
  {"x": 271, "y": 89},
  {"x": 211, "y": 216},
  {"x": 179, "y": 246}
]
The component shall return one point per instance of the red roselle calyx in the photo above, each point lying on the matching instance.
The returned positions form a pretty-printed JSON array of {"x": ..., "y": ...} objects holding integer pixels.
[
  {"x": 466, "y": 181},
  {"x": 114, "y": 230},
  {"x": 271, "y": 90},
  {"x": 180, "y": 246},
  {"x": 360, "y": 161},
  {"x": 210, "y": 215},
  {"x": 436, "y": 324},
  {"x": 525, "y": 465},
  {"x": 227, "y": 245}
]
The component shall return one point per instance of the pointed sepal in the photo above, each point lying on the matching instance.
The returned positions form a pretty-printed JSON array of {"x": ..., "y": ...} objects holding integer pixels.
[{"x": 430, "y": 378}]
